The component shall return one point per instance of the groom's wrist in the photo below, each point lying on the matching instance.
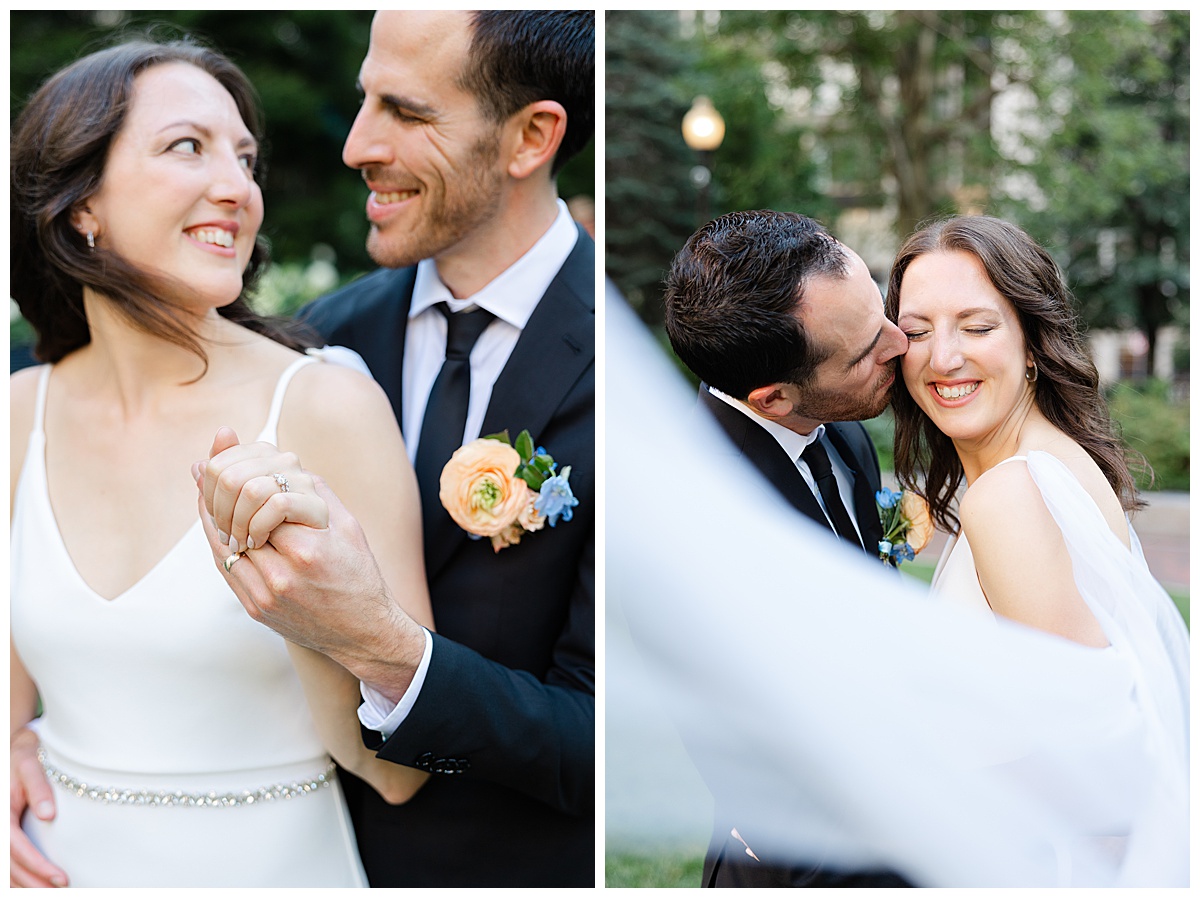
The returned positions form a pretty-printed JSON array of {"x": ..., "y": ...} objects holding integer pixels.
[
  {"x": 390, "y": 663},
  {"x": 383, "y": 715}
]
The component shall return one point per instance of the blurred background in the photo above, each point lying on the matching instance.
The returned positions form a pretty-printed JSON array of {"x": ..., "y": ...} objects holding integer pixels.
[
  {"x": 1074, "y": 125},
  {"x": 305, "y": 66}
]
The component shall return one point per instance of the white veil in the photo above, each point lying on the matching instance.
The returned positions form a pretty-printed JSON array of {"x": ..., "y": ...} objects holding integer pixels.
[{"x": 849, "y": 717}]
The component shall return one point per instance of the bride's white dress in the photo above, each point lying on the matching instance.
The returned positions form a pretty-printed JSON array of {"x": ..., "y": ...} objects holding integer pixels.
[
  {"x": 1136, "y": 615},
  {"x": 176, "y": 730}
]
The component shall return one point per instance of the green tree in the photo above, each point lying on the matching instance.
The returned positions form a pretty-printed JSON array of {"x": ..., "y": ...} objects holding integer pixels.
[
  {"x": 1113, "y": 171},
  {"x": 902, "y": 101},
  {"x": 648, "y": 201},
  {"x": 653, "y": 73}
]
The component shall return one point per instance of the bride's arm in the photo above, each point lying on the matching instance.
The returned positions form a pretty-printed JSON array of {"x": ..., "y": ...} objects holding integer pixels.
[
  {"x": 27, "y": 786},
  {"x": 342, "y": 427},
  {"x": 1021, "y": 558}
]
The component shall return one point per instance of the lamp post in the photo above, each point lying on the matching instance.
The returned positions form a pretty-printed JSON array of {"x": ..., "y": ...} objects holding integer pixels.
[{"x": 703, "y": 131}]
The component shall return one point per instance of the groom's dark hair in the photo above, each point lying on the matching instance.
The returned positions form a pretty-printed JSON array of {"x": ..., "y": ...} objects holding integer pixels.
[
  {"x": 732, "y": 293},
  {"x": 518, "y": 57}
]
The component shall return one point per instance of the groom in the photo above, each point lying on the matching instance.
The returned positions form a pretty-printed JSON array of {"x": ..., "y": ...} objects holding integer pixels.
[
  {"x": 466, "y": 120},
  {"x": 785, "y": 328}
]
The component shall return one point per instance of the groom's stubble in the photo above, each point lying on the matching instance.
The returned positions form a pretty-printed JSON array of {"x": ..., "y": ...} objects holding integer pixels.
[
  {"x": 826, "y": 402},
  {"x": 452, "y": 208}
]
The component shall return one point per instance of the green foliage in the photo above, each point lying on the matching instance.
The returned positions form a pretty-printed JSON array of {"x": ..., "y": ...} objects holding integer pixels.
[
  {"x": 1112, "y": 172},
  {"x": 648, "y": 200},
  {"x": 1156, "y": 426}
]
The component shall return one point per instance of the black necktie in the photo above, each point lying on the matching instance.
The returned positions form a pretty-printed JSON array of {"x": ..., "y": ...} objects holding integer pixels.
[
  {"x": 822, "y": 471},
  {"x": 446, "y": 411}
]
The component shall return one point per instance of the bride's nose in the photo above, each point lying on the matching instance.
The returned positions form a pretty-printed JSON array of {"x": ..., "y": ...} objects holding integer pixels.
[{"x": 946, "y": 354}]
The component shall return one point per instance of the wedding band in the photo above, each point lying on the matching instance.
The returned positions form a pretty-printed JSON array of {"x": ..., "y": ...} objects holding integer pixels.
[
  {"x": 284, "y": 486},
  {"x": 231, "y": 559}
]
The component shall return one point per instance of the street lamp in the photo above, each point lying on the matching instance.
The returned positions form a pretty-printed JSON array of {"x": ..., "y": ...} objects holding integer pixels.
[{"x": 703, "y": 131}]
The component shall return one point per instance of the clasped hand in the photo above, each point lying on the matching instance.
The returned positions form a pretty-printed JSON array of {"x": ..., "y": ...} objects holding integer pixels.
[{"x": 304, "y": 568}]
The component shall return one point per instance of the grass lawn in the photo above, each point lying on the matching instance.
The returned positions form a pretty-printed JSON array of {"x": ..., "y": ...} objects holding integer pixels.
[{"x": 678, "y": 869}]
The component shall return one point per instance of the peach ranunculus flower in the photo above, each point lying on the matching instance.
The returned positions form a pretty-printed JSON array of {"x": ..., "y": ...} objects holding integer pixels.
[
  {"x": 916, "y": 511},
  {"x": 479, "y": 490}
]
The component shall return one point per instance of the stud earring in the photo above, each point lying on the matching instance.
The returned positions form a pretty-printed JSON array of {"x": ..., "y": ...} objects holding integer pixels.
[
  {"x": 1034, "y": 378},
  {"x": 91, "y": 240}
]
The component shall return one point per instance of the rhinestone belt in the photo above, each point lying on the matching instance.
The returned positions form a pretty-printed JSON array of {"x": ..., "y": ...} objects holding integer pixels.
[{"x": 116, "y": 795}]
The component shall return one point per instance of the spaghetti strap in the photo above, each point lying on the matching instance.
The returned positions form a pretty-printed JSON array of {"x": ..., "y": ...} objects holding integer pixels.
[
  {"x": 269, "y": 432},
  {"x": 1024, "y": 458},
  {"x": 39, "y": 411}
]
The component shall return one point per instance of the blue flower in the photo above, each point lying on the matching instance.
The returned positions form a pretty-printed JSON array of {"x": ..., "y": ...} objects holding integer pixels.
[
  {"x": 903, "y": 552},
  {"x": 885, "y": 498},
  {"x": 555, "y": 498}
]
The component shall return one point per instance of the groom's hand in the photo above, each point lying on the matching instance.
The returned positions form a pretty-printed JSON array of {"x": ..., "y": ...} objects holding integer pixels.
[
  {"x": 322, "y": 588},
  {"x": 28, "y": 791}
]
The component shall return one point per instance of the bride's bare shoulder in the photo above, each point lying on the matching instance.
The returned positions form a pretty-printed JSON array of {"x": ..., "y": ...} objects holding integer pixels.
[{"x": 333, "y": 403}]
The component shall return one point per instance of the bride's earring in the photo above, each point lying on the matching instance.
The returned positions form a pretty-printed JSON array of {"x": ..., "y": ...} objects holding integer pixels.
[
  {"x": 92, "y": 241},
  {"x": 1031, "y": 374}
]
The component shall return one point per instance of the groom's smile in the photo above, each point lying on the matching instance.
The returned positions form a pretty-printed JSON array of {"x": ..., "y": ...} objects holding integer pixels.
[{"x": 428, "y": 152}]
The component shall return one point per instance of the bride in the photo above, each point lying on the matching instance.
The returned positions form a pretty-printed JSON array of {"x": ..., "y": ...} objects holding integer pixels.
[
  {"x": 173, "y": 728},
  {"x": 1001, "y": 393}
]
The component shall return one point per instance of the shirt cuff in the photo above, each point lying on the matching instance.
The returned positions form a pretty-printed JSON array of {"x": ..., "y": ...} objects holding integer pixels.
[{"x": 378, "y": 713}]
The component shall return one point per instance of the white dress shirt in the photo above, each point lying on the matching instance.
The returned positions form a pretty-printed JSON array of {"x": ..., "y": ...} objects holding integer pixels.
[
  {"x": 511, "y": 297},
  {"x": 794, "y": 445}
]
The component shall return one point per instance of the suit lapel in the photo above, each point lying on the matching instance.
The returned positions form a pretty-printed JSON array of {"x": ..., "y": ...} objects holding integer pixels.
[
  {"x": 383, "y": 340},
  {"x": 865, "y": 486},
  {"x": 556, "y": 346},
  {"x": 768, "y": 456},
  {"x": 765, "y": 454}
]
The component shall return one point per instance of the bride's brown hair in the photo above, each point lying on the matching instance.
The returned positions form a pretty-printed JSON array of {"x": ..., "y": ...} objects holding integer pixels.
[
  {"x": 1067, "y": 389},
  {"x": 60, "y": 145}
]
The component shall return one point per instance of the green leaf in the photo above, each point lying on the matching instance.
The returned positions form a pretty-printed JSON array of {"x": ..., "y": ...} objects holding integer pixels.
[
  {"x": 525, "y": 445},
  {"x": 530, "y": 476},
  {"x": 502, "y": 437}
]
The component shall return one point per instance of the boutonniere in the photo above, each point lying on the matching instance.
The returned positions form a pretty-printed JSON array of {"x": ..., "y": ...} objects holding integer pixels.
[
  {"x": 907, "y": 527},
  {"x": 494, "y": 489}
]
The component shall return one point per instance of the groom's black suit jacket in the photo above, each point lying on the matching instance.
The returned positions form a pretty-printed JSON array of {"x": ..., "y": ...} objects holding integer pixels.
[
  {"x": 506, "y": 717},
  {"x": 727, "y": 863}
]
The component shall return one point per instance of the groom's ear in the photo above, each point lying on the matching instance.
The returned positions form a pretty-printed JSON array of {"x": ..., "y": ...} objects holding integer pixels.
[
  {"x": 771, "y": 401},
  {"x": 538, "y": 131}
]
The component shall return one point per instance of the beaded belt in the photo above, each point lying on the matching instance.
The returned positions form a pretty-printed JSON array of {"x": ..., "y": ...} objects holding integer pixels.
[{"x": 116, "y": 795}]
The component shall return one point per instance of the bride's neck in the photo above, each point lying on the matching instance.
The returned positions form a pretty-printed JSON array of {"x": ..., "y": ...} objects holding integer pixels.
[
  {"x": 138, "y": 368},
  {"x": 1026, "y": 428}
]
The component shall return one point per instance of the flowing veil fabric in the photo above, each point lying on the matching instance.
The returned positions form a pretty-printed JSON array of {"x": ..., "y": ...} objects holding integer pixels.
[{"x": 847, "y": 715}]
